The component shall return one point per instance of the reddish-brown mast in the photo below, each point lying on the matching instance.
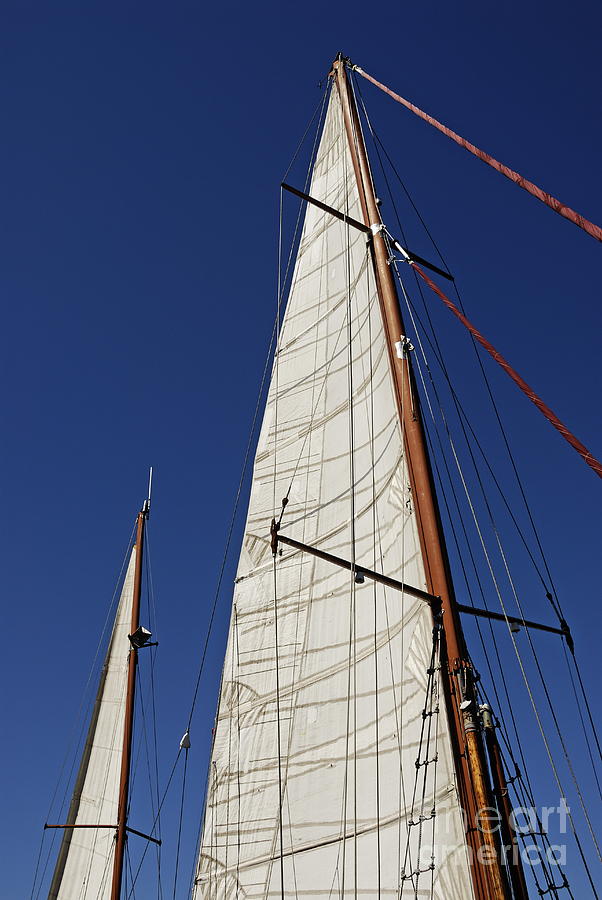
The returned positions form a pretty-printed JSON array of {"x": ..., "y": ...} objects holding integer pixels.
[
  {"x": 129, "y": 714},
  {"x": 488, "y": 877}
]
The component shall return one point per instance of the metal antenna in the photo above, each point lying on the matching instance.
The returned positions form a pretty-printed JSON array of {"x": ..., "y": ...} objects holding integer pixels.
[{"x": 150, "y": 485}]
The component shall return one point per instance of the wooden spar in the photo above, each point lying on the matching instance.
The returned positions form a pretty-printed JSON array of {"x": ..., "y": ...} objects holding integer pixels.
[
  {"x": 488, "y": 877},
  {"x": 129, "y": 715},
  {"x": 409, "y": 255},
  {"x": 357, "y": 570},
  {"x": 148, "y": 837}
]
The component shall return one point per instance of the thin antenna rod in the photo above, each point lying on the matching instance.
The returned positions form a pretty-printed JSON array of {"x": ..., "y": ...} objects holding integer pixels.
[{"x": 150, "y": 484}]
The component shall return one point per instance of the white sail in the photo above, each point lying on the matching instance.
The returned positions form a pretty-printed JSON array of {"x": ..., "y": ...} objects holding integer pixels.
[
  {"x": 84, "y": 867},
  {"x": 351, "y": 659}
]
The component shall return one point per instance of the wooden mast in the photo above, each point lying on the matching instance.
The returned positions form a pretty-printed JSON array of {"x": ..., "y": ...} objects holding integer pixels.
[
  {"x": 509, "y": 842},
  {"x": 457, "y": 676},
  {"x": 129, "y": 713}
]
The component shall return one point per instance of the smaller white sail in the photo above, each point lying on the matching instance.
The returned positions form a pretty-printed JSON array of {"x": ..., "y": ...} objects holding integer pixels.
[{"x": 85, "y": 863}]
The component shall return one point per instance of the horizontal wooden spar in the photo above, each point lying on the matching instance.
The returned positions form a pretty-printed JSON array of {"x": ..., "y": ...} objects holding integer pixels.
[
  {"x": 512, "y": 620},
  {"x": 329, "y": 209},
  {"x": 417, "y": 592},
  {"x": 127, "y": 828},
  {"x": 361, "y": 570},
  {"x": 412, "y": 257}
]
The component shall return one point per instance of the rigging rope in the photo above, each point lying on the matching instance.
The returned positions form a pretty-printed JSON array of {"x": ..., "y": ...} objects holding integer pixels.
[
  {"x": 581, "y": 449},
  {"x": 181, "y": 816},
  {"x": 461, "y": 412},
  {"x": 498, "y": 592},
  {"x": 594, "y": 230},
  {"x": 548, "y": 585}
]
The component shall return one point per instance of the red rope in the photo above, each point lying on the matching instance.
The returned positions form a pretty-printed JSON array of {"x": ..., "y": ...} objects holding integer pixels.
[
  {"x": 583, "y": 452},
  {"x": 594, "y": 230}
]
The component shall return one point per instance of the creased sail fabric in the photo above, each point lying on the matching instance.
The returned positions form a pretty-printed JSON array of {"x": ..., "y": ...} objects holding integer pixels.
[
  {"x": 352, "y": 659},
  {"x": 84, "y": 867}
]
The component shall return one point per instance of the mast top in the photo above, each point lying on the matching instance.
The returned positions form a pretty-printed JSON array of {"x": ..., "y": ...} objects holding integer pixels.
[{"x": 146, "y": 505}]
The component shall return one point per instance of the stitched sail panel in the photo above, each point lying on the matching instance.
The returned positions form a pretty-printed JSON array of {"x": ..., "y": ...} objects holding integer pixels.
[{"x": 352, "y": 659}]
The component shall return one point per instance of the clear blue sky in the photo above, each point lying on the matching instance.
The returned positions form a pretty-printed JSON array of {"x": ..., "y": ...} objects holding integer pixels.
[{"x": 142, "y": 148}]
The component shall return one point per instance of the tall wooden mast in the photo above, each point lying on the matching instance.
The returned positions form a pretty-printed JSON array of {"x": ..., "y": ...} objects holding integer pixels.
[
  {"x": 129, "y": 713},
  {"x": 457, "y": 676}
]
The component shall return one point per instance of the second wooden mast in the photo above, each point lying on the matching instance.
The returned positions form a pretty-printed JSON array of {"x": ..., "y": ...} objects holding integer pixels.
[
  {"x": 128, "y": 730},
  {"x": 457, "y": 677}
]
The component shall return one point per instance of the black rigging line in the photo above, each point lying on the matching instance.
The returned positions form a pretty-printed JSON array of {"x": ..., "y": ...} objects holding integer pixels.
[
  {"x": 548, "y": 595},
  {"x": 551, "y": 594},
  {"x": 152, "y": 650},
  {"x": 549, "y": 703},
  {"x": 319, "y": 108},
  {"x": 272, "y": 343},
  {"x": 156, "y": 819},
  {"x": 181, "y": 816},
  {"x": 554, "y": 602}
]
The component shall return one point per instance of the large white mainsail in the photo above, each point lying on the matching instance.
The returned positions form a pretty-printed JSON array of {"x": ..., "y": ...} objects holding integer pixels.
[
  {"x": 320, "y": 727},
  {"x": 84, "y": 867}
]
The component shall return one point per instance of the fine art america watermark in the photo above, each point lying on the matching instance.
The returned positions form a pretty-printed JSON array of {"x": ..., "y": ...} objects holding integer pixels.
[{"x": 536, "y": 832}]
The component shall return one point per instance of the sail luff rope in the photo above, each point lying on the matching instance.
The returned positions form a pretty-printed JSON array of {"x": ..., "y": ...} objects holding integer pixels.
[
  {"x": 576, "y": 218},
  {"x": 522, "y": 668}
]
